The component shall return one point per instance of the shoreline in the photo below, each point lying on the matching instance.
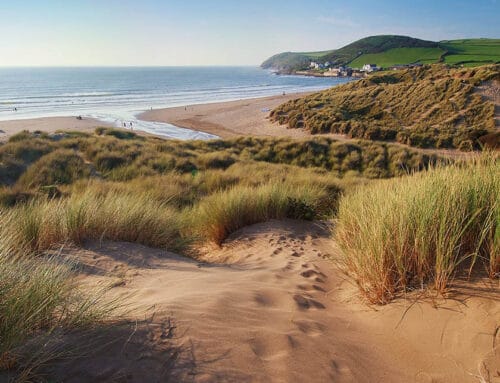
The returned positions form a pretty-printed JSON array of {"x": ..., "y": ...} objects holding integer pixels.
[
  {"x": 224, "y": 119},
  {"x": 245, "y": 117}
]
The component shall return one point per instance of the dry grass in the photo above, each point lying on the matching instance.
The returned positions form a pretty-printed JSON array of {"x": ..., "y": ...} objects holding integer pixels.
[
  {"x": 224, "y": 212},
  {"x": 421, "y": 229},
  {"x": 433, "y": 106},
  {"x": 44, "y": 223}
]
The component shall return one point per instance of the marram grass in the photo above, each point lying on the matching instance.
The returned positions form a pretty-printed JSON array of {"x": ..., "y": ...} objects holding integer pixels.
[{"x": 422, "y": 229}]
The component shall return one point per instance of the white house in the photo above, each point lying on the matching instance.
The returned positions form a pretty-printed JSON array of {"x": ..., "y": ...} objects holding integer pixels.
[{"x": 369, "y": 67}]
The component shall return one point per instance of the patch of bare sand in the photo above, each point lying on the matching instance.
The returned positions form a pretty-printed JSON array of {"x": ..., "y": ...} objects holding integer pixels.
[
  {"x": 490, "y": 91},
  {"x": 49, "y": 125},
  {"x": 278, "y": 310}
]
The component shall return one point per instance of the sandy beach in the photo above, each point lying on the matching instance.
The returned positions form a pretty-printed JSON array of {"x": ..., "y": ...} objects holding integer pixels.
[
  {"x": 229, "y": 119},
  {"x": 49, "y": 125}
]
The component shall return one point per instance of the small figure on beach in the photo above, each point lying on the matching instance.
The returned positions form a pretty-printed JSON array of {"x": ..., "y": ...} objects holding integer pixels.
[
  {"x": 131, "y": 126},
  {"x": 124, "y": 124},
  {"x": 15, "y": 109},
  {"x": 185, "y": 108},
  {"x": 79, "y": 118},
  {"x": 284, "y": 93}
]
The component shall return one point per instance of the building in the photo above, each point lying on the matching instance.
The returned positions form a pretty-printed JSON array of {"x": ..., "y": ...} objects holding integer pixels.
[
  {"x": 315, "y": 65},
  {"x": 369, "y": 68}
]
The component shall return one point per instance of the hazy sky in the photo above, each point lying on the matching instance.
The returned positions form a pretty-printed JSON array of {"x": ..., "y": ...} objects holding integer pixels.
[{"x": 195, "y": 32}]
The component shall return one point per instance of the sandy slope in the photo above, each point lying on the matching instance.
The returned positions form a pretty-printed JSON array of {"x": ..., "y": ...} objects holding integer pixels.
[{"x": 276, "y": 311}]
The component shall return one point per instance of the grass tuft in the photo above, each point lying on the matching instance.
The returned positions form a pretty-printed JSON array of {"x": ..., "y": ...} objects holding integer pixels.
[{"x": 422, "y": 229}]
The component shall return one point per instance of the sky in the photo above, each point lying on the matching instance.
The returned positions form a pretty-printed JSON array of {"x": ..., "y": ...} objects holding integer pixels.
[{"x": 195, "y": 32}]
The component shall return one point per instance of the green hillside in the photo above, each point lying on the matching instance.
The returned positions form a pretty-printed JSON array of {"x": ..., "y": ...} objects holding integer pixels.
[
  {"x": 471, "y": 52},
  {"x": 373, "y": 45},
  {"x": 399, "y": 56},
  {"x": 388, "y": 50}
]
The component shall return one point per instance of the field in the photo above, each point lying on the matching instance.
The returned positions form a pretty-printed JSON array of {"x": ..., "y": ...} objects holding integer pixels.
[
  {"x": 472, "y": 52},
  {"x": 399, "y": 56},
  {"x": 432, "y": 107}
]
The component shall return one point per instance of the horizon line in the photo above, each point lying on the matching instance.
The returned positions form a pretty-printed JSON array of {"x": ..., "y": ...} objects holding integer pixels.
[{"x": 131, "y": 66}]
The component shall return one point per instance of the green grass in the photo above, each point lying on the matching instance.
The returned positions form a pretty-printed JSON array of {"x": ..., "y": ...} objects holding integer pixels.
[
  {"x": 472, "y": 52},
  {"x": 422, "y": 230},
  {"x": 399, "y": 56}
]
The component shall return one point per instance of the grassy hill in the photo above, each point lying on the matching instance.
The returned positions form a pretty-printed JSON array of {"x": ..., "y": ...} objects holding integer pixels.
[
  {"x": 375, "y": 45},
  {"x": 388, "y": 50},
  {"x": 399, "y": 56},
  {"x": 471, "y": 52},
  {"x": 430, "y": 106}
]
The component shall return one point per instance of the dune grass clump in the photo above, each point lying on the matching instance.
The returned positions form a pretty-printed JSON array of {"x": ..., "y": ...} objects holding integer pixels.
[
  {"x": 422, "y": 229},
  {"x": 62, "y": 166},
  {"x": 38, "y": 296},
  {"x": 41, "y": 224},
  {"x": 223, "y": 213}
]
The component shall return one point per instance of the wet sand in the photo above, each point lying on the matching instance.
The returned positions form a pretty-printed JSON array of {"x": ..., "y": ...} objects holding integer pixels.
[{"x": 229, "y": 119}]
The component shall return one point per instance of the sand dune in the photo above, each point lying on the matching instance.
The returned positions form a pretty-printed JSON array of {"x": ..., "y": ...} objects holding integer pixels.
[{"x": 272, "y": 307}]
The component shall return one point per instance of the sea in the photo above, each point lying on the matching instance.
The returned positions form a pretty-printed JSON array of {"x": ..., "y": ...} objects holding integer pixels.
[{"x": 119, "y": 95}]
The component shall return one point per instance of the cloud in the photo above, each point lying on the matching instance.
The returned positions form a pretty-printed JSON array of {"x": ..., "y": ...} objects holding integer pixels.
[{"x": 338, "y": 22}]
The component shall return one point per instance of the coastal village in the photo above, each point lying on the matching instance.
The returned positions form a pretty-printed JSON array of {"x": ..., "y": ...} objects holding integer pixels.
[{"x": 328, "y": 69}]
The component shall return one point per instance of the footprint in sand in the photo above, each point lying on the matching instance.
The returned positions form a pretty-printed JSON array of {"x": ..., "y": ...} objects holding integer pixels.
[
  {"x": 309, "y": 327},
  {"x": 312, "y": 273},
  {"x": 306, "y": 303}
]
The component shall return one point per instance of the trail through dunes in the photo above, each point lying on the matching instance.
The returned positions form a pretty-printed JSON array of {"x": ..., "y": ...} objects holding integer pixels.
[{"x": 271, "y": 306}]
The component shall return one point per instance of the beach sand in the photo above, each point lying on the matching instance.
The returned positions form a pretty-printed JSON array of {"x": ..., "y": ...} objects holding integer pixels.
[
  {"x": 271, "y": 306},
  {"x": 49, "y": 125},
  {"x": 229, "y": 119}
]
